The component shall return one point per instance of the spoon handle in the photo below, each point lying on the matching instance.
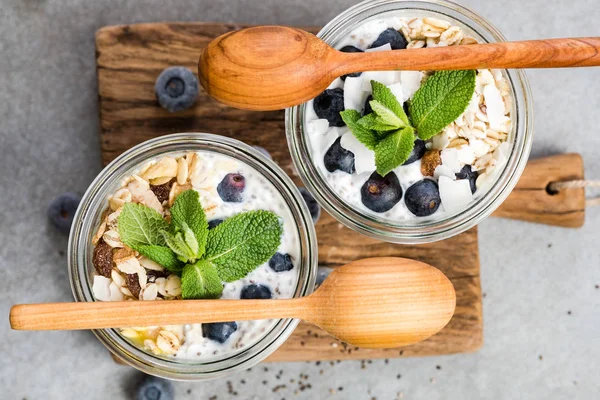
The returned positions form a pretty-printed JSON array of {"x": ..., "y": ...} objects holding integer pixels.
[
  {"x": 112, "y": 314},
  {"x": 549, "y": 53}
]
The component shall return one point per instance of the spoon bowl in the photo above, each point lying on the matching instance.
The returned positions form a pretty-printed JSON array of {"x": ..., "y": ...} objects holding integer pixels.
[{"x": 380, "y": 302}]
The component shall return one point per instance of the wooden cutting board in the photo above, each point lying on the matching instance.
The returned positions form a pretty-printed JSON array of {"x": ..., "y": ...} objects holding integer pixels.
[{"x": 130, "y": 57}]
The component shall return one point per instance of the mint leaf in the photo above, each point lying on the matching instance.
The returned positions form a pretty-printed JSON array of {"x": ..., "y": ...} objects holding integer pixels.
[
  {"x": 140, "y": 225},
  {"x": 376, "y": 123},
  {"x": 162, "y": 255},
  {"x": 178, "y": 245},
  {"x": 243, "y": 242},
  {"x": 366, "y": 137},
  {"x": 440, "y": 100},
  {"x": 394, "y": 150},
  {"x": 384, "y": 95},
  {"x": 387, "y": 115},
  {"x": 187, "y": 216},
  {"x": 201, "y": 281}
]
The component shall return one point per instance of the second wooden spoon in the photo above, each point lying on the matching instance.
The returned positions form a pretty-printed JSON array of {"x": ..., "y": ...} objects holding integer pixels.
[
  {"x": 375, "y": 302},
  {"x": 275, "y": 67}
]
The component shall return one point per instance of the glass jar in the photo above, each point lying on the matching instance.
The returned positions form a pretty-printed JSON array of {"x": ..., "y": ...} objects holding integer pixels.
[
  {"x": 416, "y": 231},
  {"x": 88, "y": 217}
]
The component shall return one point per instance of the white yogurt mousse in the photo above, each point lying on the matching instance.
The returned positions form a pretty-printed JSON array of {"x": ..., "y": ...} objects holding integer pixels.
[
  {"x": 476, "y": 145},
  {"x": 157, "y": 184}
]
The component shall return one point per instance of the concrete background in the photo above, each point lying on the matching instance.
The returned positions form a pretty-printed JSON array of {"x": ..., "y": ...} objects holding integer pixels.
[{"x": 542, "y": 303}]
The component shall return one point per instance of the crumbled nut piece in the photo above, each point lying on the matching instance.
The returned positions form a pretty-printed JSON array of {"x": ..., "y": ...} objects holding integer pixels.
[
  {"x": 176, "y": 190},
  {"x": 102, "y": 258},
  {"x": 165, "y": 167},
  {"x": 149, "y": 264},
  {"x": 162, "y": 191},
  {"x": 182, "y": 171},
  {"x": 133, "y": 284},
  {"x": 99, "y": 233},
  {"x": 118, "y": 199},
  {"x": 431, "y": 159},
  {"x": 168, "y": 342},
  {"x": 111, "y": 237},
  {"x": 123, "y": 254},
  {"x": 458, "y": 142}
]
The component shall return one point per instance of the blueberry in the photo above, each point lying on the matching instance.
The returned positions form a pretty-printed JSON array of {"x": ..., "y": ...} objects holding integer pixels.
[
  {"x": 255, "y": 291},
  {"x": 367, "y": 109},
  {"x": 417, "y": 152},
  {"x": 467, "y": 173},
  {"x": 423, "y": 198},
  {"x": 329, "y": 104},
  {"x": 219, "y": 331},
  {"x": 263, "y": 151},
  {"x": 338, "y": 158},
  {"x": 231, "y": 188},
  {"x": 350, "y": 49},
  {"x": 213, "y": 223},
  {"x": 313, "y": 206},
  {"x": 176, "y": 88},
  {"x": 153, "y": 388},
  {"x": 391, "y": 36},
  {"x": 281, "y": 262},
  {"x": 62, "y": 210},
  {"x": 379, "y": 193}
]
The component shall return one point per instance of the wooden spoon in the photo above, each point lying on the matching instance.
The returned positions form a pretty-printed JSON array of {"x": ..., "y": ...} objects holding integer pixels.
[
  {"x": 275, "y": 67},
  {"x": 375, "y": 302}
]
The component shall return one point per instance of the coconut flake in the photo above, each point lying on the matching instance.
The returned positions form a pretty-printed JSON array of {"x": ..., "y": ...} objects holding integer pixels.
[
  {"x": 385, "y": 47},
  {"x": 450, "y": 159},
  {"x": 455, "y": 194},
  {"x": 440, "y": 141},
  {"x": 384, "y": 77},
  {"x": 494, "y": 105},
  {"x": 317, "y": 127},
  {"x": 396, "y": 90},
  {"x": 101, "y": 288},
  {"x": 479, "y": 147},
  {"x": 411, "y": 82},
  {"x": 354, "y": 96},
  {"x": 442, "y": 170},
  {"x": 115, "y": 292},
  {"x": 149, "y": 264},
  {"x": 364, "y": 159},
  {"x": 465, "y": 154}
]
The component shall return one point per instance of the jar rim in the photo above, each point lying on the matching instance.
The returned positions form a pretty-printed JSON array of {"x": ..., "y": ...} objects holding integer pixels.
[
  {"x": 452, "y": 223},
  {"x": 94, "y": 201}
]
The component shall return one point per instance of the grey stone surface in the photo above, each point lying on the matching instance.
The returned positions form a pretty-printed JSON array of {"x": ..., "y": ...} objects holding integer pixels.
[{"x": 532, "y": 275}]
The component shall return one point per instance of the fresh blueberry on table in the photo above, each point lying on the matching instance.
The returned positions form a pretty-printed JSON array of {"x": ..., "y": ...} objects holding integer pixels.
[
  {"x": 311, "y": 203},
  {"x": 417, "y": 152},
  {"x": 176, "y": 88},
  {"x": 255, "y": 291},
  {"x": 391, "y": 36},
  {"x": 328, "y": 105},
  {"x": 423, "y": 198},
  {"x": 231, "y": 188},
  {"x": 367, "y": 108},
  {"x": 381, "y": 193},
  {"x": 281, "y": 262},
  {"x": 263, "y": 151},
  {"x": 219, "y": 331},
  {"x": 350, "y": 49},
  {"x": 62, "y": 210},
  {"x": 338, "y": 158},
  {"x": 213, "y": 223},
  {"x": 467, "y": 173},
  {"x": 153, "y": 388}
]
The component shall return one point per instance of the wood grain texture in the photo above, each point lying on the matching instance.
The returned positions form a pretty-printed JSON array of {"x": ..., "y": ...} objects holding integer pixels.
[
  {"x": 130, "y": 57},
  {"x": 531, "y": 201}
]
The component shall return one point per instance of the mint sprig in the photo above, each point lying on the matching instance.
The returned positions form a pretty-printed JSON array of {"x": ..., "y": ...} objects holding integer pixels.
[
  {"x": 440, "y": 100},
  {"x": 388, "y": 131},
  {"x": 242, "y": 242},
  {"x": 204, "y": 258}
]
